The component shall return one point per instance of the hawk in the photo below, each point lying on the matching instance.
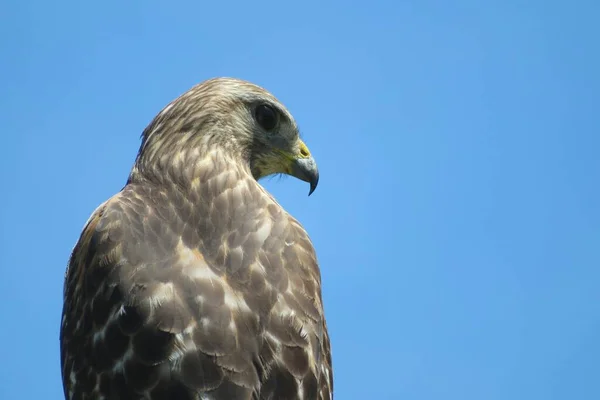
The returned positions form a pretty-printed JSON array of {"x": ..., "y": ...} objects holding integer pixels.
[{"x": 192, "y": 282}]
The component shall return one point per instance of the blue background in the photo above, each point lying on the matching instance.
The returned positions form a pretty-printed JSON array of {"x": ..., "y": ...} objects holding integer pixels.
[{"x": 457, "y": 218}]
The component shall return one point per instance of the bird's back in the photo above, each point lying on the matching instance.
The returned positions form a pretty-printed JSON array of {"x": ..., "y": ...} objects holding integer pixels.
[{"x": 206, "y": 294}]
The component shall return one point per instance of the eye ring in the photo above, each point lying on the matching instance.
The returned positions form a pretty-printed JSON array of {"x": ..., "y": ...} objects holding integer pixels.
[{"x": 266, "y": 116}]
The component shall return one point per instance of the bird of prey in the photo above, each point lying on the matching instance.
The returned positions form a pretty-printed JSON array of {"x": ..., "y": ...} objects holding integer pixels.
[{"x": 192, "y": 282}]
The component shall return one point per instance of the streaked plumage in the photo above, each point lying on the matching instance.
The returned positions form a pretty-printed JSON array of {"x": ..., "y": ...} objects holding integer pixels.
[{"x": 192, "y": 282}]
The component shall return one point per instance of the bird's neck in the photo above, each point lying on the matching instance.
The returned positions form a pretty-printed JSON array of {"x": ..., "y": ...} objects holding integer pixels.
[
  {"x": 214, "y": 197},
  {"x": 197, "y": 173}
]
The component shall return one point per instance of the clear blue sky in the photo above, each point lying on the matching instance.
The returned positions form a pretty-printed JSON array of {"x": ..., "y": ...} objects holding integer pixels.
[{"x": 457, "y": 220}]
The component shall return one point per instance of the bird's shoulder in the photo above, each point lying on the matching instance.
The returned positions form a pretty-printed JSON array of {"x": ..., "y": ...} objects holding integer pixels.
[{"x": 129, "y": 297}]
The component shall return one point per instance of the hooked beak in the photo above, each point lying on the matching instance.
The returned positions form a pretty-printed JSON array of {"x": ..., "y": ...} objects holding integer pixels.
[
  {"x": 306, "y": 169},
  {"x": 303, "y": 166}
]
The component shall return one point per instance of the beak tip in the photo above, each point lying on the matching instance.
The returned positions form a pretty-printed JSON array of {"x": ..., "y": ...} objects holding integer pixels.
[{"x": 313, "y": 184}]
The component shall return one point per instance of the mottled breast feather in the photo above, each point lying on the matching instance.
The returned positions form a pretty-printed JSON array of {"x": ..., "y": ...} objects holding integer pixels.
[{"x": 215, "y": 294}]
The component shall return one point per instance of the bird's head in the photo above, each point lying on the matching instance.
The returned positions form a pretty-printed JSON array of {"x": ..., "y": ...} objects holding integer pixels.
[{"x": 233, "y": 118}]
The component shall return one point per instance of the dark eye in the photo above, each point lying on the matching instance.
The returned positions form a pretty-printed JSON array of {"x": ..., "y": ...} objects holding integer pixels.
[{"x": 266, "y": 116}]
